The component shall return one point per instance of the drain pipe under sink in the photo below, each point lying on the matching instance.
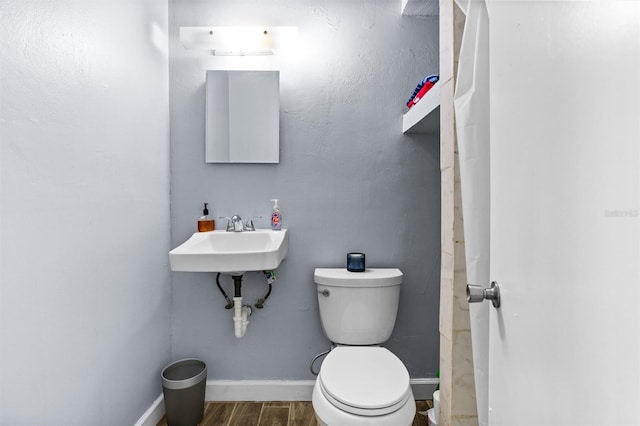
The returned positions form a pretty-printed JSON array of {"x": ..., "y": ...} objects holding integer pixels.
[
  {"x": 240, "y": 317},
  {"x": 240, "y": 313}
]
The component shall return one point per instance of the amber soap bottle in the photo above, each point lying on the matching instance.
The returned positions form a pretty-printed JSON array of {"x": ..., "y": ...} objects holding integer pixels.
[{"x": 205, "y": 223}]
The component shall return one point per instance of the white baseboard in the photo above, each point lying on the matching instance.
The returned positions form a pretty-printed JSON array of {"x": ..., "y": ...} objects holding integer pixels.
[
  {"x": 154, "y": 414},
  {"x": 289, "y": 390},
  {"x": 424, "y": 388},
  {"x": 268, "y": 390},
  {"x": 259, "y": 390}
]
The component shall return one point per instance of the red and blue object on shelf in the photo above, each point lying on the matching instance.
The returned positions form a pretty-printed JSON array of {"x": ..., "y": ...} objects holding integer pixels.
[{"x": 423, "y": 87}]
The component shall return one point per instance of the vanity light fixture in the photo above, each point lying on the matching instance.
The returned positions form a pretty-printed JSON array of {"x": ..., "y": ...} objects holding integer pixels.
[{"x": 238, "y": 41}]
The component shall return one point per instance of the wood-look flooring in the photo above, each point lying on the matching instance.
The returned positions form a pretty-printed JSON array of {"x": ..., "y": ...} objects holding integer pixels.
[{"x": 273, "y": 414}]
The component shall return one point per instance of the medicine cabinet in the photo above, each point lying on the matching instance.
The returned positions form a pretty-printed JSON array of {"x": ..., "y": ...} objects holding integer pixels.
[{"x": 242, "y": 117}]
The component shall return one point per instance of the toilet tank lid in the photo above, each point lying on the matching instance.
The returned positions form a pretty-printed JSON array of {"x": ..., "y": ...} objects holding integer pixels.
[{"x": 371, "y": 277}]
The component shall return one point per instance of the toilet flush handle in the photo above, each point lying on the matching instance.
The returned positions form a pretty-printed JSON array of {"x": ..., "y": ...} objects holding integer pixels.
[{"x": 324, "y": 292}]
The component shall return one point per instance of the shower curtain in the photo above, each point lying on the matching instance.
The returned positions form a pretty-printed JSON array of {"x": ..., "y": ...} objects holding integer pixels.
[{"x": 471, "y": 102}]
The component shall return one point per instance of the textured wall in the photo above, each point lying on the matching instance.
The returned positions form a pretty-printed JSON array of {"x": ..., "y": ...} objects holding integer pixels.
[
  {"x": 347, "y": 179},
  {"x": 84, "y": 217}
]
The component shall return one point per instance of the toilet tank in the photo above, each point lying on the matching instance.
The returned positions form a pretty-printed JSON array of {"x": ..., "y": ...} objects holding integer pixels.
[{"x": 358, "y": 308}]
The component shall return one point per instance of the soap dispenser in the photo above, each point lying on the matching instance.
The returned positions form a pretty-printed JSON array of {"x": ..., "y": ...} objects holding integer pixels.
[
  {"x": 276, "y": 216},
  {"x": 205, "y": 223}
]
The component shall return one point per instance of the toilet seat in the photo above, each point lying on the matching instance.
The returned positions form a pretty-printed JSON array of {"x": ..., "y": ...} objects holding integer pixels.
[{"x": 364, "y": 380}]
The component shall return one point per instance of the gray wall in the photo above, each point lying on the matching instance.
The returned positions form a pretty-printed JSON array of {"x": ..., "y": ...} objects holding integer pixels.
[
  {"x": 84, "y": 216},
  {"x": 348, "y": 180}
]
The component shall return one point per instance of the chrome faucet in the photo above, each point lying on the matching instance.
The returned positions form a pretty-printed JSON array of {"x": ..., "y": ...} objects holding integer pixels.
[{"x": 234, "y": 223}]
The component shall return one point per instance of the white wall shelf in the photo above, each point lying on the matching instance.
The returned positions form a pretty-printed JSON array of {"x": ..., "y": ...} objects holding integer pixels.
[{"x": 424, "y": 117}]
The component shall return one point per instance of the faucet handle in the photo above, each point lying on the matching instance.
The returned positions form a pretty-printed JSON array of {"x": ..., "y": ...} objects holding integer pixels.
[
  {"x": 249, "y": 225},
  {"x": 229, "y": 223}
]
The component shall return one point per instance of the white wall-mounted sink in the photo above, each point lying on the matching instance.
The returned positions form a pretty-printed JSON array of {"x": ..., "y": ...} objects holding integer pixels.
[{"x": 231, "y": 252}]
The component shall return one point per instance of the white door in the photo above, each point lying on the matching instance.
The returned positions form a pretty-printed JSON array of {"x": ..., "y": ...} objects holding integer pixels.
[{"x": 565, "y": 137}]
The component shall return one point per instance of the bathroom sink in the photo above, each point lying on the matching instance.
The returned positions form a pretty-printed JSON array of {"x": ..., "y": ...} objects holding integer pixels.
[{"x": 231, "y": 252}]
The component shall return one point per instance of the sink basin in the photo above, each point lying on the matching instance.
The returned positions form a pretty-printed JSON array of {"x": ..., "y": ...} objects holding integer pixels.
[{"x": 231, "y": 252}]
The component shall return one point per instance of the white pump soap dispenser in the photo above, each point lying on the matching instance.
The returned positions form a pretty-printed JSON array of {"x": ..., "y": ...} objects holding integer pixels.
[{"x": 276, "y": 216}]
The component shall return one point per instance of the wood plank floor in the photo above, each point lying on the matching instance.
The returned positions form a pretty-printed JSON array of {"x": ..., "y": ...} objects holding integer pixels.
[{"x": 273, "y": 414}]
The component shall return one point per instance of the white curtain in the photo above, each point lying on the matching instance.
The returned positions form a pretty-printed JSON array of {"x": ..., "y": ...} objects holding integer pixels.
[{"x": 471, "y": 101}]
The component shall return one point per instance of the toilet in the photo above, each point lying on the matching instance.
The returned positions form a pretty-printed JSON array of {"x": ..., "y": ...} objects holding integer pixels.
[{"x": 361, "y": 382}]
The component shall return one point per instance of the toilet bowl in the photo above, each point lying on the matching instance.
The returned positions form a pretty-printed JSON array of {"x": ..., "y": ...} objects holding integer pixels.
[
  {"x": 361, "y": 382},
  {"x": 363, "y": 385}
]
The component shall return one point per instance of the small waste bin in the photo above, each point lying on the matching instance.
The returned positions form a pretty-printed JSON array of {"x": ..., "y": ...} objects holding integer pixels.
[{"x": 183, "y": 386}]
